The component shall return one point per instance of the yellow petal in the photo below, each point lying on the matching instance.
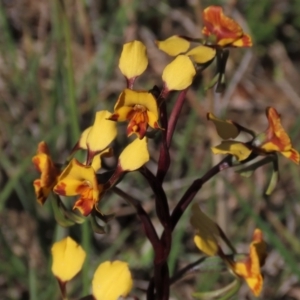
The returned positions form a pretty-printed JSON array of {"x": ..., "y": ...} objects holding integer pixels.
[
  {"x": 174, "y": 45},
  {"x": 133, "y": 61},
  {"x": 206, "y": 231},
  {"x": 68, "y": 258},
  {"x": 135, "y": 155},
  {"x": 226, "y": 128},
  {"x": 74, "y": 177},
  {"x": 96, "y": 162},
  {"x": 111, "y": 281},
  {"x": 130, "y": 98},
  {"x": 102, "y": 133},
  {"x": 121, "y": 114},
  {"x": 82, "y": 143},
  {"x": 202, "y": 54},
  {"x": 239, "y": 150},
  {"x": 179, "y": 74}
]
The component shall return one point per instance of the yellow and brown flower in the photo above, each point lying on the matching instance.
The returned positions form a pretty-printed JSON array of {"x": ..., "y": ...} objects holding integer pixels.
[
  {"x": 49, "y": 173},
  {"x": 139, "y": 108},
  {"x": 276, "y": 139},
  {"x": 79, "y": 179},
  {"x": 207, "y": 237},
  {"x": 223, "y": 31},
  {"x": 249, "y": 268}
]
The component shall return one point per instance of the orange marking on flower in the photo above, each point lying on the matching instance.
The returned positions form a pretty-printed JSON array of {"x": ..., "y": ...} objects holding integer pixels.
[
  {"x": 60, "y": 189},
  {"x": 257, "y": 236},
  {"x": 37, "y": 183},
  {"x": 85, "y": 206},
  {"x": 37, "y": 162},
  {"x": 86, "y": 201},
  {"x": 114, "y": 117},
  {"x": 156, "y": 126},
  {"x": 294, "y": 156},
  {"x": 245, "y": 41},
  {"x": 43, "y": 148},
  {"x": 138, "y": 121}
]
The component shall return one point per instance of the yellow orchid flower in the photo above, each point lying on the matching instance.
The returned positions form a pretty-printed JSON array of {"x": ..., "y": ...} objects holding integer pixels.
[
  {"x": 277, "y": 140},
  {"x": 223, "y": 31},
  {"x": 49, "y": 173},
  {"x": 249, "y": 268},
  {"x": 274, "y": 139},
  {"x": 139, "y": 108},
  {"x": 80, "y": 179},
  {"x": 68, "y": 258},
  {"x": 219, "y": 31},
  {"x": 111, "y": 281}
]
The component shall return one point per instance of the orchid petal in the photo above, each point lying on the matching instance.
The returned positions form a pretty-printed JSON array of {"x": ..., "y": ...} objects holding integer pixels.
[
  {"x": 68, "y": 258},
  {"x": 173, "y": 75},
  {"x": 111, "y": 281},
  {"x": 174, "y": 45},
  {"x": 135, "y": 155},
  {"x": 133, "y": 61}
]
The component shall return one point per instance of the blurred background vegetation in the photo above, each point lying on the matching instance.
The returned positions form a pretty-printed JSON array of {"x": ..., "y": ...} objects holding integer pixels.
[{"x": 59, "y": 64}]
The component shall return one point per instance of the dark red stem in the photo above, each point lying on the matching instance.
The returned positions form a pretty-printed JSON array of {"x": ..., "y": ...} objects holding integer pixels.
[
  {"x": 164, "y": 155},
  {"x": 162, "y": 211},
  {"x": 146, "y": 222},
  {"x": 174, "y": 116},
  {"x": 195, "y": 187}
]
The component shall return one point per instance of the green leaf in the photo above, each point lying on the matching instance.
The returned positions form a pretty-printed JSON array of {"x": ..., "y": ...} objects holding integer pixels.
[
  {"x": 248, "y": 170},
  {"x": 59, "y": 214},
  {"x": 274, "y": 177}
]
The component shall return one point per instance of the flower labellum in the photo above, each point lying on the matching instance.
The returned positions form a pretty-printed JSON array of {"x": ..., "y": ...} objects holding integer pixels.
[
  {"x": 139, "y": 108},
  {"x": 79, "y": 179}
]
